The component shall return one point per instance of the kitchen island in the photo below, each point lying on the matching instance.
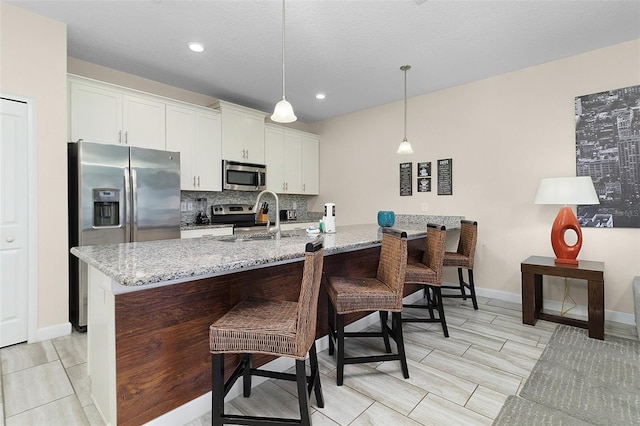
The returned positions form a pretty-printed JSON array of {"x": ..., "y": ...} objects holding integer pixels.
[{"x": 151, "y": 303}]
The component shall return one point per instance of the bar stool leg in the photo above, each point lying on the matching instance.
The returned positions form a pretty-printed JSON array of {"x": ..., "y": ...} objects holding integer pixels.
[
  {"x": 303, "y": 395},
  {"x": 332, "y": 326},
  {"x": 384, "y": 316},
  {"x": 461, "y": 281},
  {"x": 340, "y": 329},
  {"x": 217, "y": 397},
  {"x": 437, "y": 293},
  {"x": 315, "y": 376},
  {"x": 472, "y": 289},
  {"x": 246, "y": 375},
  {"x": 396, "y": 324}
]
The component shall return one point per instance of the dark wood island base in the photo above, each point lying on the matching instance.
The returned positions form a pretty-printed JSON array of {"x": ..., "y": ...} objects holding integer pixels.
[{"x": 161, "y": 334}]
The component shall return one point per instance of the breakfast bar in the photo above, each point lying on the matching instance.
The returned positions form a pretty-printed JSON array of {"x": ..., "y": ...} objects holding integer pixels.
[{"x": 151, "y": 304}]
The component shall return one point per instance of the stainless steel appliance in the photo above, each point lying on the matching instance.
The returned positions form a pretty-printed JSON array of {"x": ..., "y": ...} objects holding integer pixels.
[
  {"x": 241, "y": 216},
  {"x": 243, "y": 176},
  {"x": 288, "y": 215},
  {"x": 117, "y": 194}
]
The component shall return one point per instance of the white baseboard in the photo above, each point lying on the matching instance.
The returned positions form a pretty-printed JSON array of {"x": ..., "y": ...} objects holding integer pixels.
[{"x": 50, "y": 332}]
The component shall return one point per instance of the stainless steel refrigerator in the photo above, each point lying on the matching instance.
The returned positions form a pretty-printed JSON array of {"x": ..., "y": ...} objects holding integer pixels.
[{"x": 117, "y": 194}]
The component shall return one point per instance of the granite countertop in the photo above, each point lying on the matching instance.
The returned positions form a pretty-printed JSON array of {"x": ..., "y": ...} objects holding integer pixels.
[{"x": 165, "y": 261}]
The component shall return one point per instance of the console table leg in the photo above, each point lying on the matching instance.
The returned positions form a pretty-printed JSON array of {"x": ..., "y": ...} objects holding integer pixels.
[
  {"x": 529, "y": 314},
  {"x": 596, "y": 309}
]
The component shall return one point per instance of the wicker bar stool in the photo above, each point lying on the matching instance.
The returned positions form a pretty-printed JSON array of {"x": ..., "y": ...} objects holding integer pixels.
[
  {"x": 463, "y": 259},
  {"x": 272, "y": 327},
  {"x": 382, "y": 293},
  {"x": 428, "y": 275}
]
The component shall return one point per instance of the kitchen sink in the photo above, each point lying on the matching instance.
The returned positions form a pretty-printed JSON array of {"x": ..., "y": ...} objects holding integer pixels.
[{"x": 252, "y": 237}]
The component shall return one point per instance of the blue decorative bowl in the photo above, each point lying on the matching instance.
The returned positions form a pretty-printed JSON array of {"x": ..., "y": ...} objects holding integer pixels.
[{"x": 386, "y": 218}]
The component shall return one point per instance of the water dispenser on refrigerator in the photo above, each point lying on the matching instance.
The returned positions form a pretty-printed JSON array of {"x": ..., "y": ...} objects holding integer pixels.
[{"x": 106, "y": 207}]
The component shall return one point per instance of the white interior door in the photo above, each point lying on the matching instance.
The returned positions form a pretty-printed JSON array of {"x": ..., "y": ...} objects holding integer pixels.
[{"x": 13, "y": 222}]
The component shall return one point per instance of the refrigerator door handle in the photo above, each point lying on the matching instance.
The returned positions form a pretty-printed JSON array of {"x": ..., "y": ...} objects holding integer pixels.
[
  {"x": 127, "y": 203},
  {"x": 134, "y": 205}
]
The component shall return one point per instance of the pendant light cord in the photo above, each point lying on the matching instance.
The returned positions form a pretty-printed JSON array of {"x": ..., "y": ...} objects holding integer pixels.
[
  {"x": 283, "y": 58},
  {"x": 405, "y": 103},
  {"x": 405, "y": 68}
]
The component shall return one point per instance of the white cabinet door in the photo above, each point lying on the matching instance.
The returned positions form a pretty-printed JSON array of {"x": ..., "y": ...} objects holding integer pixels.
[
  {"x": 274, "y": 158},
  {"x": 181, "y": 136},
  {"x": 95, "y": 114},
  {"x": 143, "y": 122},
  {"x": 195, "y": 132},
  {"x": 233, "y": 135},
  {"x": 208, "y": 158},
  {"x": 293, "y": 162},
  {"x": 242, "y": 133},
  {"x": 310, "y": 165},
  {"x": 107, "y": 114},
  {"x": 254, "y": 138}
]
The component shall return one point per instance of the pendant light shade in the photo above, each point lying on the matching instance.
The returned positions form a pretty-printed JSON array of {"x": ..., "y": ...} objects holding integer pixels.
[
  {"x": 405, "y": 146},
  {"x": 283, "y": 112}
]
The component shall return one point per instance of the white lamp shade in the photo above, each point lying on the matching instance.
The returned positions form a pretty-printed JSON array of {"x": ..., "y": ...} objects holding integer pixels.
[
  {"x": 567, "y": 190},
  {"x": 404, "y": 148},
  {"x": 283, "y": 112}
]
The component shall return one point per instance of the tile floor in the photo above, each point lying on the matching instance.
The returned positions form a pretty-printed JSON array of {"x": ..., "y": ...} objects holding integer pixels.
[{"x": 464, "y": 379}]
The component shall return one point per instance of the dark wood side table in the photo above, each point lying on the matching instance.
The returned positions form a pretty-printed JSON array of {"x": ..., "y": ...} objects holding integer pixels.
[{"x": 534, "y": 267}]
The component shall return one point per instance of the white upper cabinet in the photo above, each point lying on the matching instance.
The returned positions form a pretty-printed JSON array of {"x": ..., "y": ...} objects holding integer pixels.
[
  {"x": 196, "y": 133},
  {"x": 292, "y": 160},
  {"x": 242, "y": 133},
  {"x": 310, "y": 164},
  {"x": 103, "y": 113}
]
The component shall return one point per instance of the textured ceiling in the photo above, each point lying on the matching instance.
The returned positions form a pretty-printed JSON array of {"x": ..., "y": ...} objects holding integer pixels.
[{"x": 351, "y": 50}]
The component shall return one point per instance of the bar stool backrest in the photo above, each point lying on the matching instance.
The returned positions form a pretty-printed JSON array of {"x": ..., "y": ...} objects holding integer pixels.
[
  {"x": 434, "y": 254},
  {"x": 308, "y": 299},
  {"x": 468, "y": 240},
  {"x": 393, "y": 262}
]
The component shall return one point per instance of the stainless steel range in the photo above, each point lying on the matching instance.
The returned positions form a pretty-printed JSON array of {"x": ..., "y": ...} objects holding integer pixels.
[{"x": 241, "y": 216}]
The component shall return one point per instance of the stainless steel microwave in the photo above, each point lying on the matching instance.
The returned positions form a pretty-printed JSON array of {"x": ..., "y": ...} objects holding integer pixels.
[{"x": 243, "y": 176}]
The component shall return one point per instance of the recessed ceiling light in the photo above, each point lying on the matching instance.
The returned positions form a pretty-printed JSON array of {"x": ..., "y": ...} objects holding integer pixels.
[
  {"x": 320, "y": 96},
  {"x": 195, "y": 46}
]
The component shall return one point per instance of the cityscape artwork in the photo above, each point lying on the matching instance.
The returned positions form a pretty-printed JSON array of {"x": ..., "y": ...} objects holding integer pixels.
[{"x": 608, "y": 150}]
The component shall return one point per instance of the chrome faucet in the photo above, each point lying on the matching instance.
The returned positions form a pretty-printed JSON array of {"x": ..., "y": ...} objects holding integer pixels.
[{"x": 274, "y": 229}]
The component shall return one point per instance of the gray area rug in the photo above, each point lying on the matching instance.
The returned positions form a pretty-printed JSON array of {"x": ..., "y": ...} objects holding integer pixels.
[{"x": 579, "y": 381}]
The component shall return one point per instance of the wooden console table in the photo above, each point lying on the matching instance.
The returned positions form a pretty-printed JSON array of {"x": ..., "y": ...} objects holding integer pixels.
[{"x": 534, "y": 267}]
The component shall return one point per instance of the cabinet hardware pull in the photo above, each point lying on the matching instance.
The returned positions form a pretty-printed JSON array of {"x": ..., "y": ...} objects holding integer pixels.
[
  {"x": 194, "y": 181},
  {"x": 126, "y": 138},
  {"x": 10, "y": 239},
  {"x": 198, "y": 181},
  {"x": 119, "y": 136}
]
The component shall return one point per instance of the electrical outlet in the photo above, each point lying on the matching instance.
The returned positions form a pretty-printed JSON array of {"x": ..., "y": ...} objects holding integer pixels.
[
  {"x": 424, "y": 207},
  {"x": 189, "y": 206},
  {"x": 295, "y": 205}
]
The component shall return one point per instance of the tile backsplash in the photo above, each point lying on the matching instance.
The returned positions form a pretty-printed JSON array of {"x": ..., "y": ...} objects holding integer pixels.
[{"x": 287, "y": 202}]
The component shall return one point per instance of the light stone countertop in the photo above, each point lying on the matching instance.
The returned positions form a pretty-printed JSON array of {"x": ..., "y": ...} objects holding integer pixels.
[{"x": 162, "y": 262}]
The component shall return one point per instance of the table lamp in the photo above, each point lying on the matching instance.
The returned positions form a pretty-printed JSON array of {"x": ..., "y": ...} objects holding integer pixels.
[{"x": 566, "y": 190}]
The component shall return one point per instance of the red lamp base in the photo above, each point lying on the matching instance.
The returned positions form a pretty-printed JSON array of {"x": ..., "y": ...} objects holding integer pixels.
[{"x": 565, "y": 254}]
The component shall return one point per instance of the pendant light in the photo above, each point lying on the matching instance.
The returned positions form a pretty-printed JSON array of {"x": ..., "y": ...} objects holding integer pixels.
[
  {"x": 283, "y": 112},
  {"x": 405, "y": 146}
]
